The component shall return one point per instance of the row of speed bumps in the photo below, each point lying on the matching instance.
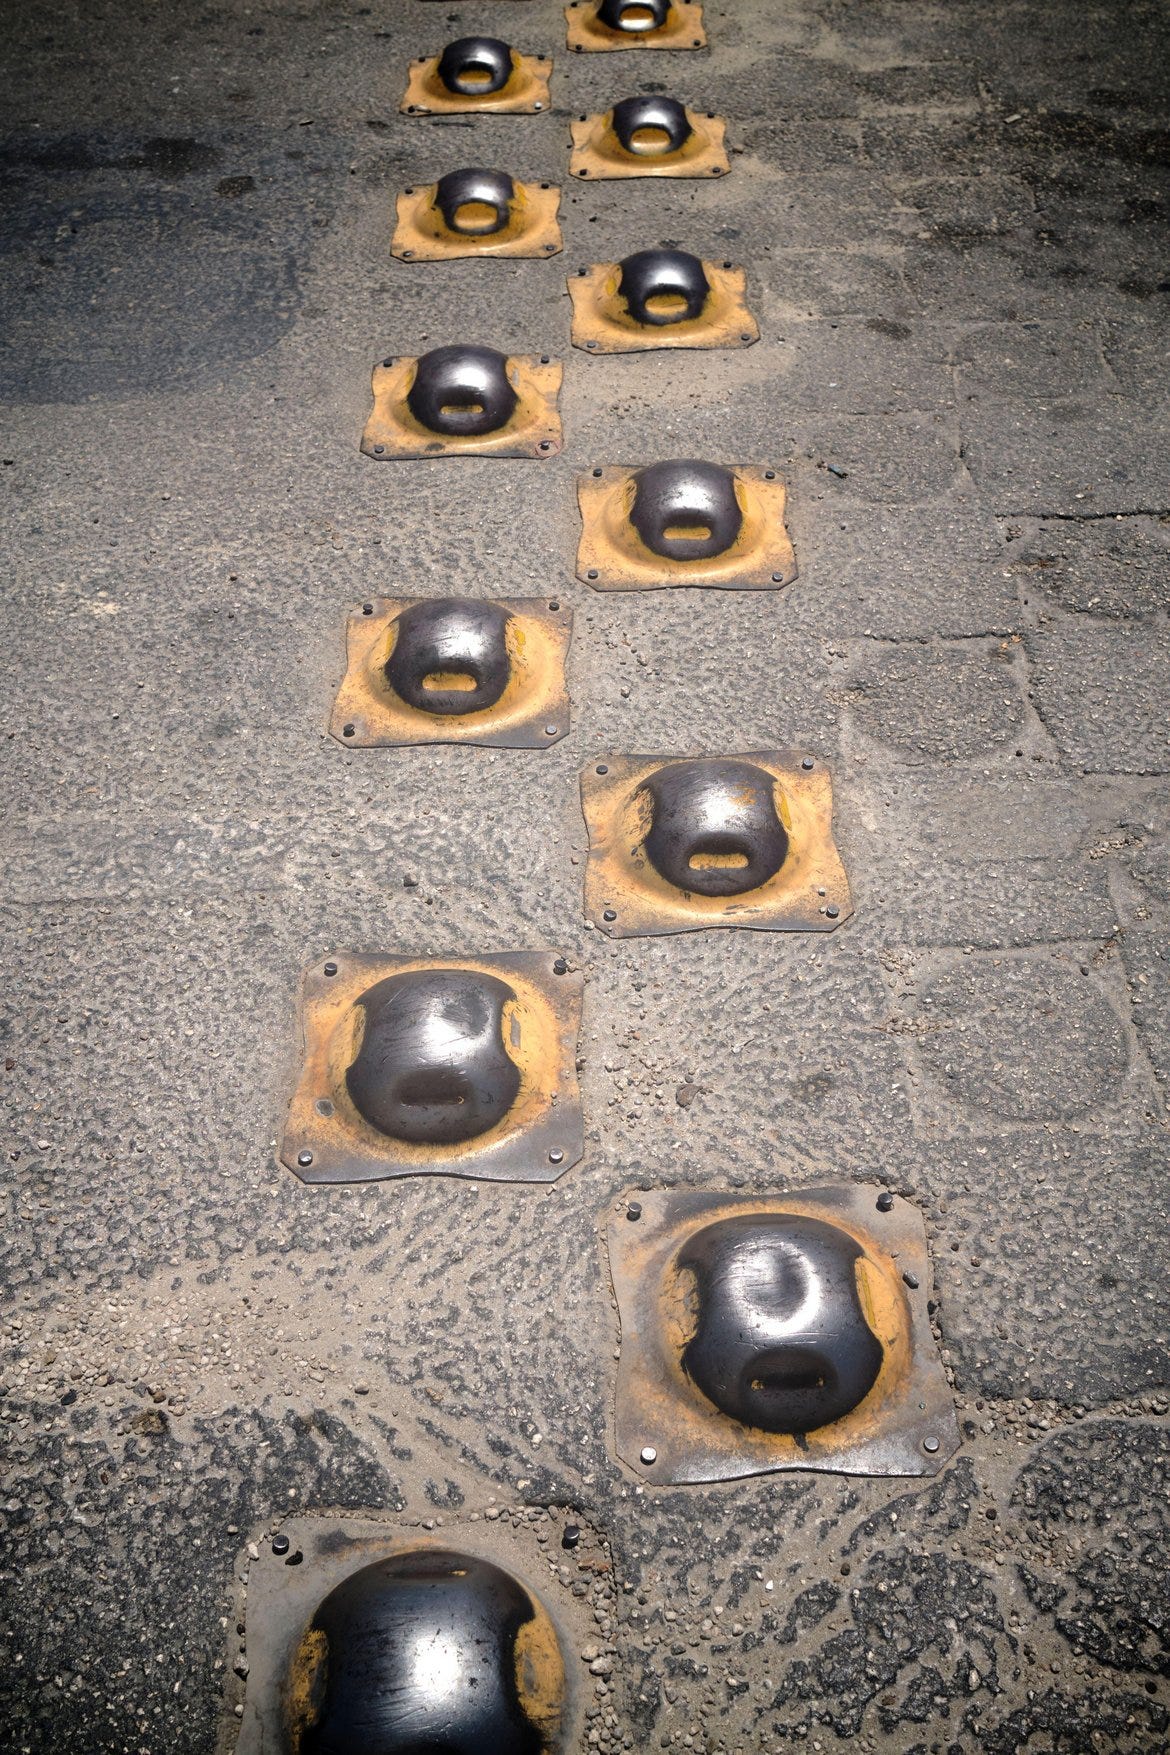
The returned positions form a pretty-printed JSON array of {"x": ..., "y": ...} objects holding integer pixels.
[{"x": 758, "y": 1333}]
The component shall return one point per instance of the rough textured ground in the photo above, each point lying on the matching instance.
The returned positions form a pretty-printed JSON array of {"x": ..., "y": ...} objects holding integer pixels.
[{"x": 953, "y": 222}]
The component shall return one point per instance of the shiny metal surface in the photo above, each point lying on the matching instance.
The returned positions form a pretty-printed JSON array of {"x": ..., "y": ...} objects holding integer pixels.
[
  {"x": 462, "y": 390},
  {"x": 714, "y": 828},
  {"x": 448, "y": 638},
  {"x": 432, "y": 1067},
  {"x": 770, "y": 1331},
  {"x": 698, "y": 842},
  {"x": 664, "y": 119},
  {"x": 781, "y": 1341},
  {"x": 634, "y": 16},
  {"x": 661, "y": 287},
  {"x": 437, "y": 1067},
  {"x": 424, "y": 1652},
  {"x": 455, "y": 670},
  {"x": 686, "y": 511},
  {"x": 475, "y": 188},
  {"x": 473, "y": 66}
]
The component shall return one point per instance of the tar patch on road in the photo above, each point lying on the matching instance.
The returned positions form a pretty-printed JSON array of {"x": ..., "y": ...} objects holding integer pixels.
[{"x": 132, "y": 265}]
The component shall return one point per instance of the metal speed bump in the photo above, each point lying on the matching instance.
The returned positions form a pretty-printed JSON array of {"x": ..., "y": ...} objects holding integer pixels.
[
  {"x": 372, "y": 1637},
  {"x": 477, "y": 73},
  {"x": 464, "y": 401},
  {"x": 476, "y": 212},
  {"x": 703, "y": 841},
  {"x": 455, "y": 670},
  {"x": 634, "y": 24},
  {"x": 660, "y": 298},
  {"x": 649, "y": 137},
  {"x": 784, "y": 1331},
  {"x": 683, "y": 522},
  {"x": 437, "y": 1067}
]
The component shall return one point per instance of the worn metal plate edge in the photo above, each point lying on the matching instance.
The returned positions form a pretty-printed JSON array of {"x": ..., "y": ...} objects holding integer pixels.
[
  {"x": 667, "y": 1215},
  {"x": 406, "y": 727},
  {"x": 519, "y": 1154},
  {"x": 643, "y": 913}
]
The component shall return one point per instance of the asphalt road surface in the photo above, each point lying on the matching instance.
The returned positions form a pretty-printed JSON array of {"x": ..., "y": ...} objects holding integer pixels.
[{"x": 953, "y": 225}]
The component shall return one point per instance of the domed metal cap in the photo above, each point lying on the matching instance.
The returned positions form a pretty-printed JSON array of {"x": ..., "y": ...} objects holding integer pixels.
[
  {"x": 781, "y": 1342},
  {"x": 450, "y": 656},
  {"x": 462, "y": 391},
  {"x": 431, "y": 1652},
  {"x": 432, "y": 1067},
  {"x": 714, "y": 828},
  {"x": 651, "y": 124},
  {"x": 663, "y": 286},
  {"x": 686, "y": 511},
  {"x": 472, "y": 66},
  {"x": 475, "y": 203},
  {"x": 634, "y": 16}
]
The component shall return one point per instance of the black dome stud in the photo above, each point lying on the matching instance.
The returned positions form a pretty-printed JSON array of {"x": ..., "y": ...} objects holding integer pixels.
[
  {"x": 432, "y": 1068},
  {"x": 448, "y": 637},
  {"x": 462, "y": 391},
  {"x": 634, "y": 17},
  {"x": 663, "y": 286},
  {"x": 664, "y": 118},
  {"x": 714, "y": 828},
  {"x": 686, "y": 511},
  {"x": 488, "y": 194},
  {"x": 431, "y": 1650},
  {"x": 781, "y": 1342},
  {"x": 474, "y": 66}
]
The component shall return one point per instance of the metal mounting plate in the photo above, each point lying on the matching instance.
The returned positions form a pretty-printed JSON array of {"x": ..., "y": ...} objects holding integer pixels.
[
  {"x": 612, "y": 556},
  {"x": 539, "y": 1136},
  {"x": 531, "y": 712},
  {"x": 525, "y": 93},
  {"x": 298, "y": 1566},
  {"x": 423, "y": 235},
  {"x": 603, "y": 322},
  {"x": 682, "y": 29},
  {"x": 668, "y": 1432},
  {"x": 626, "y": 896},
  {"x": 599, "y": 154},
  {"x": 533, "y": 429}
]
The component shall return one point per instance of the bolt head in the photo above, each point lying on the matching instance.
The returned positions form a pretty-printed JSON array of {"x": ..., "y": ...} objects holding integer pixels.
[
  {"x": 304, "y": 1159},
  {"x": 648, "y": 1454}
]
